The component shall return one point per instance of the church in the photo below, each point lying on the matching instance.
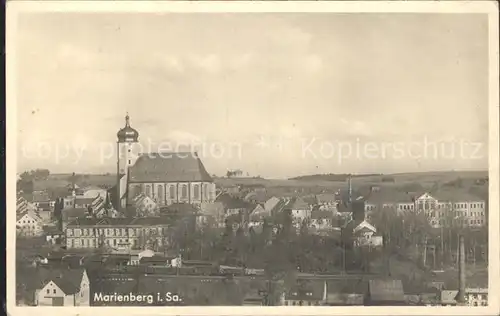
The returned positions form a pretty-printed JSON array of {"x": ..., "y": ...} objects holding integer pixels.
[{"x": 165, "y": 177}]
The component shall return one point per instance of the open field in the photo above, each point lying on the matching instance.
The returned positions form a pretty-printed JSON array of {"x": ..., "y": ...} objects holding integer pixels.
[{"x": 425, "y": 179}]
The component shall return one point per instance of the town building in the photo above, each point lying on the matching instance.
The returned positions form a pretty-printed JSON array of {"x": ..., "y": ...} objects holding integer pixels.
[
  {"x": 22, "y": 205},
  {"x": 347, "y": 292},
  {"x": 300, "y": 209},
  {"x": 321, "y": 219},
  {"x": 62, "y": 287},
  {"x": 385, "y": 292},
  {"x": 128, "y": 233},
  {"x": 29, "y": 224},
  {"x": 145, "y": 206},
  {"x": 52, "y": 234},
  {"x": 327, "y": 201},
  {"x": 165, "y": 177},
  {"x": 444, "y": 207},
  {"x": 310, "y": 293}
]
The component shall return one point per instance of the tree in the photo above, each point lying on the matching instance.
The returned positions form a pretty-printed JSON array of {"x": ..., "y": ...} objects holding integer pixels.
[
  {"x": 36, "y": 174},
  {"x": 58, "y": 207},
  {"x": 240, "y": 245},
  {"x": 227, "y": 241}
]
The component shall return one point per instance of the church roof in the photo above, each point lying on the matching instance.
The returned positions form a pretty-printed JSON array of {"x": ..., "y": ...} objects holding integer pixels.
[{"x": 169, "y": 167}]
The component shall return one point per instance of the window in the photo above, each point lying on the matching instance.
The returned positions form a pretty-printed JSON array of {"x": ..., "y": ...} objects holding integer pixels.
[
  {"x": 196, "y": 191},
  {"x": 54, "y": 291},
  {"x": 184, "y": 191},
  {"x": 114, "y": 242},
  {"x": 117, "y": 232},
  {"x": 48, "y": 291},
  {"x": 171, "y": 192},
  {"x": 129, "y": 161},
  {"x": 159, "y": 193},
  {"x": 148, "y": 190}
]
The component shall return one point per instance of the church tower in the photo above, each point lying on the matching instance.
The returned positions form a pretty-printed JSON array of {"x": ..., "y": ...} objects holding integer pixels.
[{"x": 128, "y": 149}]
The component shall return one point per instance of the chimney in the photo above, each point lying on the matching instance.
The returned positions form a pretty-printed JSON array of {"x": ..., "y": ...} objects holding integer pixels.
[{"x": 461, "y": 272}]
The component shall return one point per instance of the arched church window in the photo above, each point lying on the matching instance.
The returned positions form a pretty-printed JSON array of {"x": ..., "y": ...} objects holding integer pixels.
[
  {"x": 148, "y": 190},
  {"x": 159, "y": 193},
  {"x": 205, "y": 191},
  {"x": 136, "y": 191},
  {"x": 196, "y": 191},
  {"x": 184, "y": 191},
  {"x": 172, "y": 192}
]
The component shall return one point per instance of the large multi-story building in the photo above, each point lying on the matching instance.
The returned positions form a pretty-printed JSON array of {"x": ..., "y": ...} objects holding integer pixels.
[
  {"x": 164, "y": 176},
  {"x": 443, "y": 207},
  {"x": 119, "y": 233}
]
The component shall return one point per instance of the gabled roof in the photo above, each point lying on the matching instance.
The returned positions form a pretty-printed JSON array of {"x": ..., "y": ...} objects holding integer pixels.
[
  {"x": 454, "y": 195},
  {"x": 154, "y": 258},
  {"x": 299, "y": 204},
  {"x": 257, "y": 196},
  {"x": 72, "y": 213},
  {"x": 271, "y": 204},
  {"x": 213, "y": 209},
  {"x": 326, "y": 198},
  {"x": 365, "y": 224},
  {"x": 169, "y": 167},
  {"x": 68, "y": 280},
  {"x": 310, "y": 200},
  {"x": 40, "y": 197},
  {"x": 319, "y": 214},
  {"x": 449, "y": 296},
  {"x": 32, "y": 214}
]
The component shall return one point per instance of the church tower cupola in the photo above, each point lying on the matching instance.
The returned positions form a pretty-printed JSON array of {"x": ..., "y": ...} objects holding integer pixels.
[{"x": 127, "y": 134}]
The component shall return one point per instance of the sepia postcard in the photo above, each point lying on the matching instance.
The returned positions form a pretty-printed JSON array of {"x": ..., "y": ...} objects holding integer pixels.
[{"x": 252, "y": 157}]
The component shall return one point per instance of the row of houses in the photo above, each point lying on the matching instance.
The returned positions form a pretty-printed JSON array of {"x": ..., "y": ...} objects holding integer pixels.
[{"x": 442, "y": 207}]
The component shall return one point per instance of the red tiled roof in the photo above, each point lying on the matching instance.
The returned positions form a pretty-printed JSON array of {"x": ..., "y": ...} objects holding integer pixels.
[{"x": 169, "y": 167}]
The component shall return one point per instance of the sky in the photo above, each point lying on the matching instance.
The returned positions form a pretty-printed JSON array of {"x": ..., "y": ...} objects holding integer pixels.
[{"x": 275, "y": 95}]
